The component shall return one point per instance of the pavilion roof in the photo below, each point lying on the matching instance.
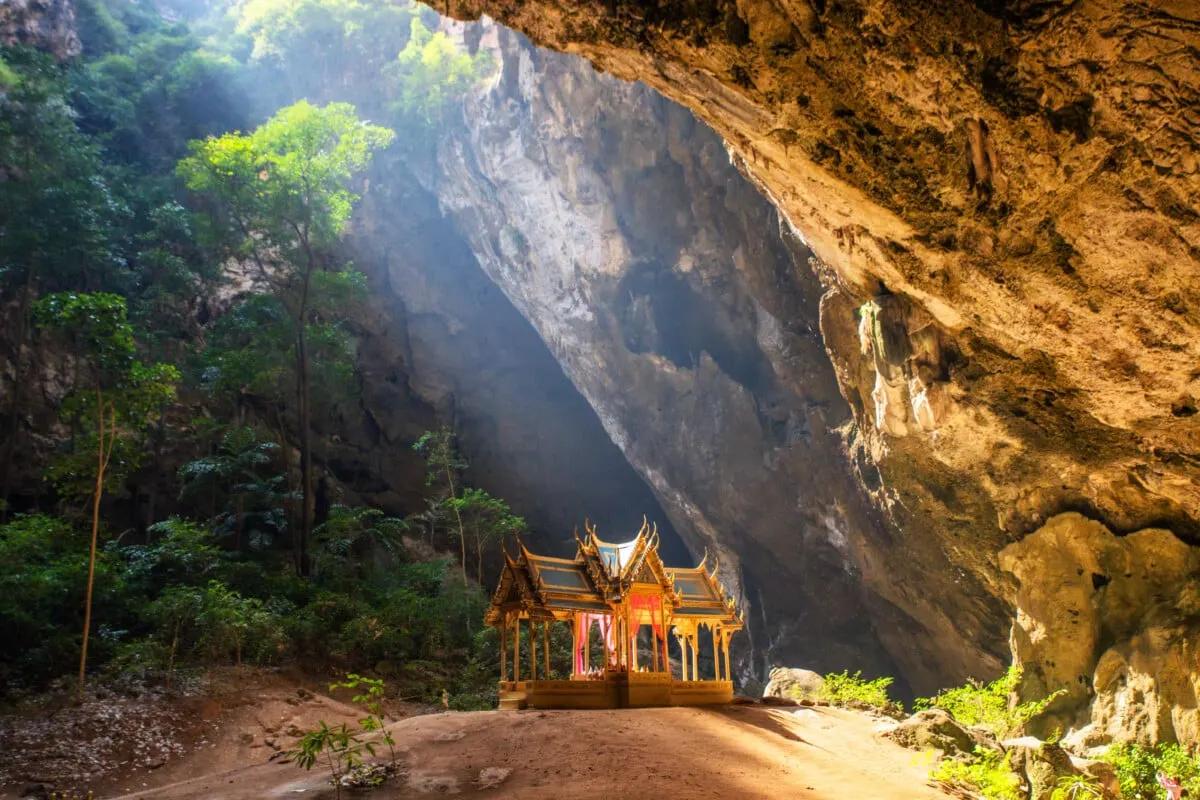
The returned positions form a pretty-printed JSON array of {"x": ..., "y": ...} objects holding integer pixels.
[{"x": 604, "y": 572}]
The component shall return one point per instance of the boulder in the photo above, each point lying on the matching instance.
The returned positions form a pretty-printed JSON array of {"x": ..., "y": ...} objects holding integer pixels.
[
  {"x": 789, "y": 683},
  {"x": 935, "y": 729},
  {"x": 1041, "y": 765}
]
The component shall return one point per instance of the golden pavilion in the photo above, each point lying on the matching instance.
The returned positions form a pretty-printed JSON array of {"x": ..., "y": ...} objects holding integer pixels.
[{"x": 615, "y": 598}]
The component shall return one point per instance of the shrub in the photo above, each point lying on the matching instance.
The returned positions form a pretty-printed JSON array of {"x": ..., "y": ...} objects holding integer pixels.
[
  {"x": 988, "y": 773},
  {"x": 1137, "y": 768},
  {"x": 45, "y": 563},
  {"x": 844, "y": 689},
  {"x": 1077, "y": 787},
  {"x": 987, "y": 704}
]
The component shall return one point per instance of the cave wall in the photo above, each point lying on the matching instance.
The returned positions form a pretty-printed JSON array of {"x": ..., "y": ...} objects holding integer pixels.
[
  {"x": 688, "y": 316},
  {"x": 1002, "y": 199}
]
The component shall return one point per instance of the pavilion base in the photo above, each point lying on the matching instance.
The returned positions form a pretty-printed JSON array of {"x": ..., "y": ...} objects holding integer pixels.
[{"x": 615, "y": 690}]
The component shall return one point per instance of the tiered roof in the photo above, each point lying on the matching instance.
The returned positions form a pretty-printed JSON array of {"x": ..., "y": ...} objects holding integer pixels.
[{"x": 603, "y": 573}]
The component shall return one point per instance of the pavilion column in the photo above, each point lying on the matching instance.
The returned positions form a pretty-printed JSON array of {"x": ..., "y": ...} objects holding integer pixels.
[
  {"x": 693, "y": 641},
  {"x": 532, "y": 650},
  {"x": 725, "y": 646},
  {"x": 517, "y": 650},
  {"x": 546, "y": 647},
  {"x": 632, "y": 635},
  {"x": 666, "y": 661},
  {"x": 654, "y": 649},
  {"x": 504, "y": 650},
  {"x": 683, "y": 656},
  {"x": 587, "y": 645},
  {"x": 716, "y": 656}
]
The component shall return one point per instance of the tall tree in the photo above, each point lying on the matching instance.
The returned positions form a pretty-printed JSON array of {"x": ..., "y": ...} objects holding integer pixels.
[
  {"x": 280, "y": 197},
  {"x": 110, "y": 407}
]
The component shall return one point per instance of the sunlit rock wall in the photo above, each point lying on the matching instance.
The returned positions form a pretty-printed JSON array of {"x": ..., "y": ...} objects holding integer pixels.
[
  {"x": 687, "y": 315},
  {"x": 1005, "y": 196}
]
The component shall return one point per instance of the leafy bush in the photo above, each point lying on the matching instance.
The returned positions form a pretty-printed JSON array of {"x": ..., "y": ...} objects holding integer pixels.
[
  {"x": 45, "y": 564},
  {"x": 1137, "y": 768},
  {"x": 1077, "y": 787},
  {"x": 988, "y": 773},
  {"x": 987, "y": 704},
  {"x": 844, "y": 689}
]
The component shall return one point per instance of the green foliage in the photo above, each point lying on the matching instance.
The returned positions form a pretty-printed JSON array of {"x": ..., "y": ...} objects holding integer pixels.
[
  {"x": 98, "y": 327},
  {"x": 989, "y": 774},
  {"x": 353, "y": 543},
  {"x": 370, "y": 692},
  {"x": 241, "y": 487},
  {"x": 41, "y": 596},
  {"x": 285, "y": 187},
  {"x": 430, "y": 73},
  {"x": 235, "y": 626},
  {"x": 1077, "y": 787},
  {"x": 844, "y": 689},
  {"x": 343, "y": 749},
  {"x": 1137, "y": 768},
  {"x": 988, "y": 704}
]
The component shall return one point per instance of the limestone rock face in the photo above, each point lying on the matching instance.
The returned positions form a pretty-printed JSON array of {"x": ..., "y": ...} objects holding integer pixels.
[
  {"x": 1115, "y": 622},
  {"x": 688, "y": 316},
  {"x": 1002, "y": 200},
  {"x": 47, "y": 24},
  {"x": 794, "y": 684},
  {"x": 935, "y": 729}
]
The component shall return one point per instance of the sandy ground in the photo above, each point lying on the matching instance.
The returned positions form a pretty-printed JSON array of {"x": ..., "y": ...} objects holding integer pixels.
[{"x": 668, "y": 753}]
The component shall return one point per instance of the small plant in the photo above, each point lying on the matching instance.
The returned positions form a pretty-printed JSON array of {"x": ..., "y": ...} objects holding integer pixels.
[
  {"x": 342, "y": 748},
  {"x": 1138, "y": 769},
  {"x": 988, "y": 773},
  {"x": 844, "y": 689},
  {"x": 987, "y": 704},
  {"x": 1077, "y": 787},
  {"x": 370, "y": 698}
]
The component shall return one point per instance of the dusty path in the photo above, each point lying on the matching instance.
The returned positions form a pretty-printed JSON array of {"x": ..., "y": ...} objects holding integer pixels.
[{"x": 667, "y": 753}]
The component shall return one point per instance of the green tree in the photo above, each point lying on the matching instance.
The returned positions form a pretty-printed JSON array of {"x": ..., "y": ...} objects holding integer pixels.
[
  {"x": 112, "y": 405},
  {"x": 350, "y": 540},
  {"x": 429, "y": 73},
  {"x": 487, "y": 520},
  {"x": 443, "y": 466},
  {"x": 282, "y": 196},
  {"x": 241, "y": 479}
]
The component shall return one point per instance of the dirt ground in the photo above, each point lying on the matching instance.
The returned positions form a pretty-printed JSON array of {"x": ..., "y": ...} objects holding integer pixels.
[
  {"x": 697, "y": 754},
  {"x": 119, "y": 741}
]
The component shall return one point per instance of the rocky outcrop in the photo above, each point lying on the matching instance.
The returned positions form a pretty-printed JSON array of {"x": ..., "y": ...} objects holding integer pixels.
[
  {"x": 46, "y": 24},
  {"x": 789, "y": 683},
  {"x": 1114, "y": 621},
  {"x": 1003, "y": 198},
  {"x": 935, "y": 729}
]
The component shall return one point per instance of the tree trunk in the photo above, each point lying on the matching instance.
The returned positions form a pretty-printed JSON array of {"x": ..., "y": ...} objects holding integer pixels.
[
  {"x": 302, "y": 392},
  {"x": 462, "y": 533},
  {"x": 101, "y": 463}
]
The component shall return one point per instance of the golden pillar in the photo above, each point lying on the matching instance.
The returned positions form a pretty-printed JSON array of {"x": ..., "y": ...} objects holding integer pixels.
[
  {"x": 546, "y": 646},
  {"x": 517, "y": 649},
  {"x": 532, "y": 651},
  {"x": 504, "y": 649},
  {"x": 716, "y": 657}
]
